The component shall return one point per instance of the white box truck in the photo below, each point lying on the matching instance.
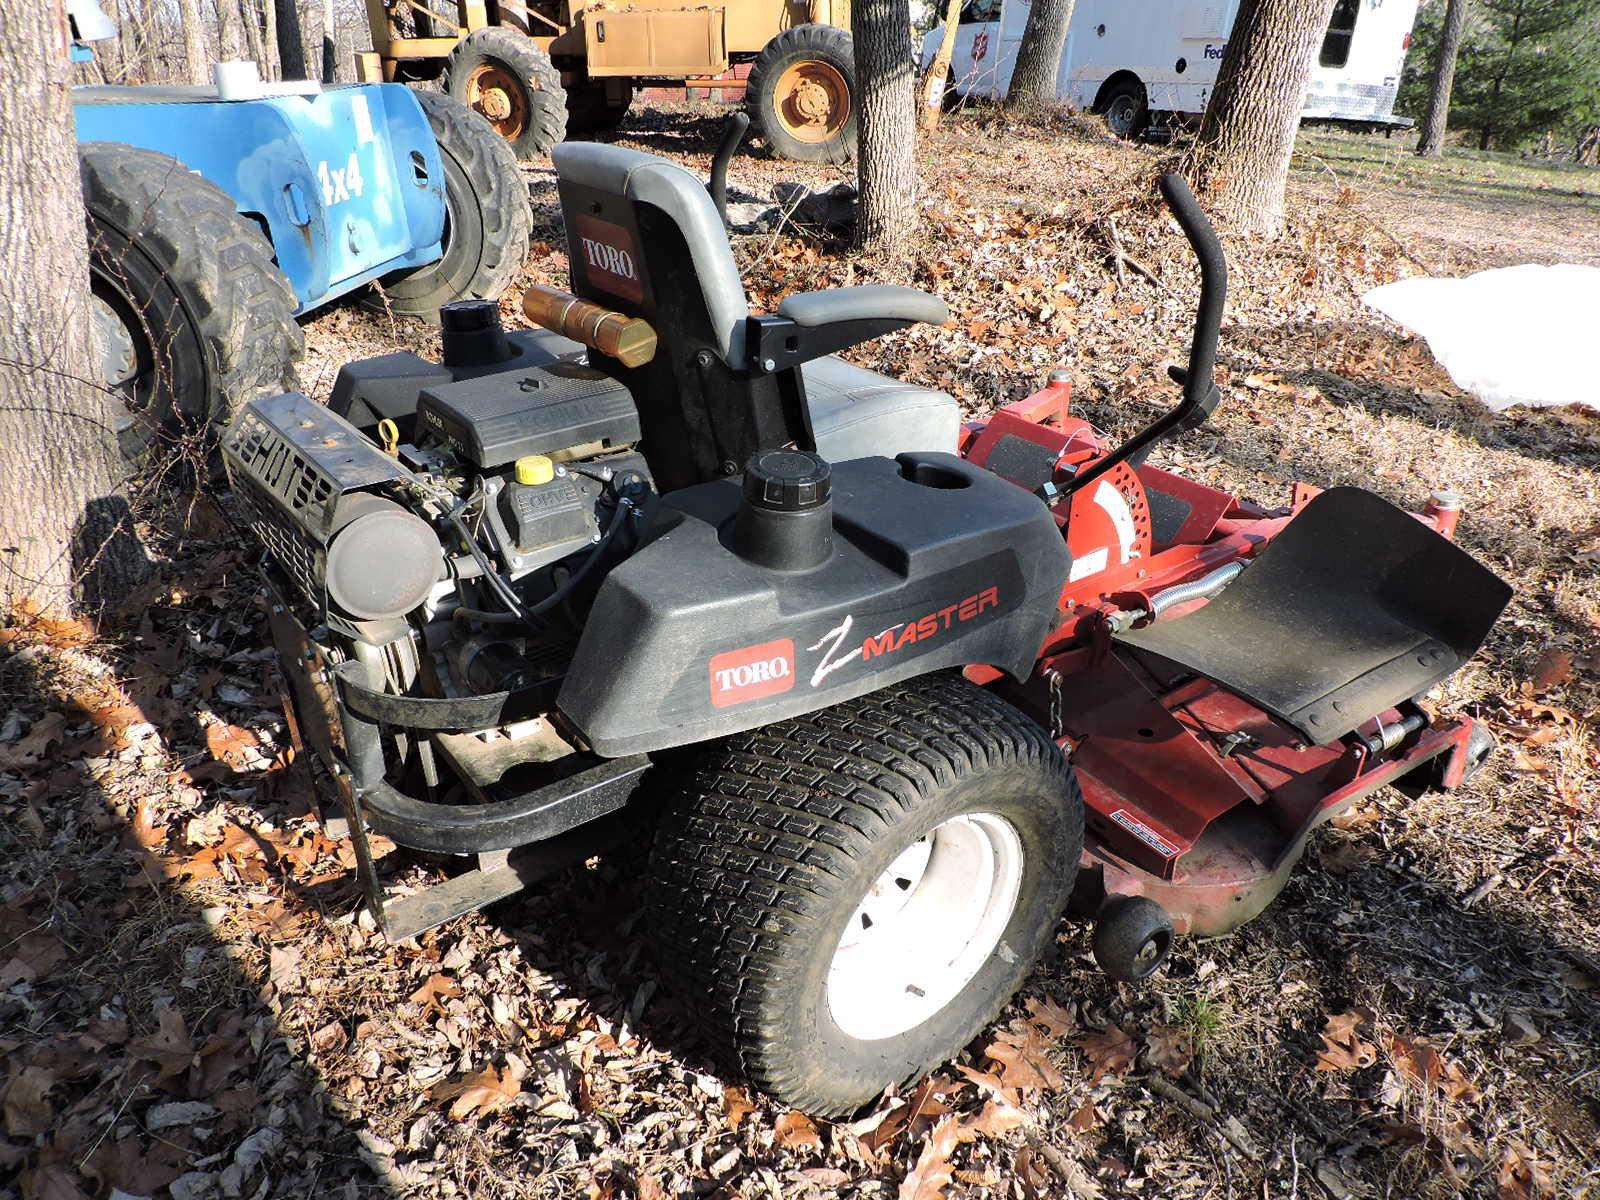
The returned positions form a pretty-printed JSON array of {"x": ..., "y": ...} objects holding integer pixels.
[{"x": 1137, "y": 59}]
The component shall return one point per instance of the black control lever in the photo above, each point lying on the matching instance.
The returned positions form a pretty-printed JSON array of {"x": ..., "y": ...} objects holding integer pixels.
[
  {"x": 734, "y": 133},
  {"x": 1200, "y": 394}
]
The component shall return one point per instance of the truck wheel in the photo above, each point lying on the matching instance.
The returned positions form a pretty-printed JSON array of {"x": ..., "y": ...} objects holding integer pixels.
[
  {"x": 192, "y": 315},
  {"x": 802, "y": 94},
  {"x": 848, "y": 897},
  {"x": 1125, "y": 108},
  {"x": 501, "y": 74},
  {"x": 590, "y": 111},
  {"x": 487, "y": 220}
]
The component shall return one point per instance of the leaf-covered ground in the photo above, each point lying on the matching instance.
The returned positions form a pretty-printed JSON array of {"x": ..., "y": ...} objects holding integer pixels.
[{"x": 192, "y": 1005}]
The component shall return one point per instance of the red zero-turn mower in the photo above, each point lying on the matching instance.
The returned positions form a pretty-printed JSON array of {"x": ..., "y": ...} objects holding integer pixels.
[{"x": 877, "y": 692}]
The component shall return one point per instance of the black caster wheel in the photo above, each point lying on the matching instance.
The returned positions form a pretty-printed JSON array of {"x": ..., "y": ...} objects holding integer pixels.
[{"x": 1132, "y": 937}]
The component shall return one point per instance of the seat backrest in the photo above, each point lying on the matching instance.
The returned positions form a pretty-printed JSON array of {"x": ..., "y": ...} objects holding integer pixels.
[{"x": 645, "y": 239}]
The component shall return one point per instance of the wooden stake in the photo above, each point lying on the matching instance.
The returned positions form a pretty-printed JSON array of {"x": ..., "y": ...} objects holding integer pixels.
[{"x": 939, "y": 71}]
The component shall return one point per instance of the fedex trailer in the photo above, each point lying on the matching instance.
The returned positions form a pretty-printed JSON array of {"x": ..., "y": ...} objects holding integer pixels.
[{"x": 1134, "y": 60}]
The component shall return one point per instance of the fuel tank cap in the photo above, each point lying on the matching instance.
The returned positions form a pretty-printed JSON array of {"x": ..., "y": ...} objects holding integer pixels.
[{"x": 787, "y": 480}]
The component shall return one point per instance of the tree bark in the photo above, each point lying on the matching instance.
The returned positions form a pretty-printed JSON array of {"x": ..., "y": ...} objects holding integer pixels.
[
  {"x": 65, "y": 529},
  {"x": 196, "y": 62},
  {"x": 1431, "y": 143},
  {"x": 330, "y": 43},
  {"x": 291, "y": 45},
  {"x": 1044, "y": 37},
  {"x": 254, "y": 46},
  {"x": 228, "y": 45},
  {"x": 886, "y": 157},
  {"x": 1247, "y": 135}
]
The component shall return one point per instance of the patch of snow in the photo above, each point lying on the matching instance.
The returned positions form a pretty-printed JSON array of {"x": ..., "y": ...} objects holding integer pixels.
[{"x": 1513, "y": 335}]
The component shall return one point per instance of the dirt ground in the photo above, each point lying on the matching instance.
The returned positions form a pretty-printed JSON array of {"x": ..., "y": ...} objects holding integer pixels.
[{"x": 191, "y": 1004}]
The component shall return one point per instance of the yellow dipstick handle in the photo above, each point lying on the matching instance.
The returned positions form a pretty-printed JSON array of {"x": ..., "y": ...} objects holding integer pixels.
[{"x": 629, "y": 340}]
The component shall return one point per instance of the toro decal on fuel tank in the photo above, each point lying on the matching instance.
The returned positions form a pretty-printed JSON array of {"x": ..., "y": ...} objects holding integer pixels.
[
  {"x": 768, "y": 669},
  {"x": 752, "y": 673}
]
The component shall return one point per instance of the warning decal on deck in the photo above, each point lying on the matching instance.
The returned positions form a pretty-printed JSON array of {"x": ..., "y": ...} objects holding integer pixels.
[{"x": 1144, "y": 833}]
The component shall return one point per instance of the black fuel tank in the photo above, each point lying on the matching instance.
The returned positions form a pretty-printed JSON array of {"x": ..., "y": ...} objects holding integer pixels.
[{"x": 935, "y": 563}]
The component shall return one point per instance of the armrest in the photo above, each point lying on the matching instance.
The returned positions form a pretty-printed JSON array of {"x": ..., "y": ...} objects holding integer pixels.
[
  {"x": 878, "y": 302},
  {"x": 812, "y": 324}
]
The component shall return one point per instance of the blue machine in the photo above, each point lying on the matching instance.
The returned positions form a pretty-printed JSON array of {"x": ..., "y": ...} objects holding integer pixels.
[{"x": 347, "y": 182}]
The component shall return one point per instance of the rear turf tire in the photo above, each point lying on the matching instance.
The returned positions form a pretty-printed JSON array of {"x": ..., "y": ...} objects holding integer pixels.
[
  {"x": 788, "y": 82},
  {"x": 503, "y": 75},
  {"x": 486, "y": 233},
  {"x": 763, "y": 861},
  {"x": 187, "y": 298}
]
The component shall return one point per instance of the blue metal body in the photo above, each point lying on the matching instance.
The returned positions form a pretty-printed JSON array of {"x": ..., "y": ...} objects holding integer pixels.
[{"x": 348, "y": 183}]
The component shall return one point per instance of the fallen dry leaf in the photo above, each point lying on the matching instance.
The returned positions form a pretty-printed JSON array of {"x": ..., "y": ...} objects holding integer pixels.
[
  {"x": 996, "y": 1119},
  {"x": 1084, "y": 1117},
  {"x": 1056, "y": 1021},
  {"x": 169, "y": 1048},
  {"x": 435, "y": 987},
  {"x": 1553, "y": 669},
  {"x": 1111, "y": 1051},
  {"x": 1343, "y": 1049},
  {"x": 34, "y": 746},
  {"x": 1169, "y": 1049},
  {"x": 234, "y": 745},
  {"x": 736, "y": 1106},
  {"x": 933, "y": 1170},
  {"x": 1522, "y": 1175},
  {"x": 485, "y": 1091},
  {"x": 794, "y": 1131},
  {"x": 25, "y": 1103},
  {"x": 1420, "y": 1063},
  {"x": 1023, "y": 1058}
]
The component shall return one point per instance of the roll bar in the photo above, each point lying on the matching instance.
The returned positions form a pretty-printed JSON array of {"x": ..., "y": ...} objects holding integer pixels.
[{"x": 1200, "y": 394}]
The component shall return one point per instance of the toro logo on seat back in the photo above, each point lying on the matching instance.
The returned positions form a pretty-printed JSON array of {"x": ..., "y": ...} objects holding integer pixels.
[
  {"x": 610, "y": 258},
  {"x": 752, "y": 672}
]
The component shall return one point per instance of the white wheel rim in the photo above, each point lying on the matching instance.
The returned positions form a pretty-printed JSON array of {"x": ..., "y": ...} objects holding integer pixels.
[{"x": 926, "y": 927}]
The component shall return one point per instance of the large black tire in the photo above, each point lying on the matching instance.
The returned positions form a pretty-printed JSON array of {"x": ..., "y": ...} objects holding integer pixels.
[
  {"x": 193, "y": 314},
  {"x": 589, "y": 111},
  {"x": 802, "y": 92},
  {"x": 488, "y": 221},
  {"x": 502, "y": 75},
  {"x": 1126, "y": 109},
  {"x": 784, "y": 840}
]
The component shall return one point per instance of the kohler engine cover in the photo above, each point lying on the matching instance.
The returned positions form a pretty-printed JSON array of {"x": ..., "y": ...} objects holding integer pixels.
[
  {"x": 934, "y": 563},
  {"x": 293, "y": 465}
]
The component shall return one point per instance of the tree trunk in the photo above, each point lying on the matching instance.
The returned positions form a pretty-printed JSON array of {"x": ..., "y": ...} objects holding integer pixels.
[
  {"x": 1044, "y": 37},
  {"x": 254, "y": 47},
  {"x": 1247, "y": 136},
  {"x": 291, "y": 46},
  {"x": 228, "y": 46},
  {"x": 1431, "y": 143},
  {"x": 196, "y": 62},
  {"x": 330, "y": 39},
  {"x": 886, "y": 158},
  {"x": 64, "y": 527},
  {"x": 939, "y": 69}
]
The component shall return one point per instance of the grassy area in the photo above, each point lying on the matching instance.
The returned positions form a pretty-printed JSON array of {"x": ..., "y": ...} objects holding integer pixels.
[{"x": 1393, "y": 160}]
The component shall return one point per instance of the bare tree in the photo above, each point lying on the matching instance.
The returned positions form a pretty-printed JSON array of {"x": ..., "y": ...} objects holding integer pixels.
[
  {"x": 64, "y": 528},
  {"x": 228, "y": 33},
  {"x": 1247, "y": 135},
  {"x": 291, "y": 44},
  {"x": 197, "y": 64},
  {"x": 330, "y": 41},
  {"x": 1431, "y": 143},
  {"x": 1044, "y": 37},
  {"x": 886, "y": 158}
]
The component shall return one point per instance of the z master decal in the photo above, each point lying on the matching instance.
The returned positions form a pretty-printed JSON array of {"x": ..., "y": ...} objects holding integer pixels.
[
  {"x": 898, "y": 637},
  {"x": 751, "y": 673}
]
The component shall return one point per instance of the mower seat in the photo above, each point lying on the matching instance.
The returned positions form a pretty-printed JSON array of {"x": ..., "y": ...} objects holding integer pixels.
[
  {"x": 1353, "y": 608},
  {"x": 686, "y": 283}
]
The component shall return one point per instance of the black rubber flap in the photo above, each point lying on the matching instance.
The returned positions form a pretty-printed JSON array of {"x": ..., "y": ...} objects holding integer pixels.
[{"x": 1354, "y": 607}]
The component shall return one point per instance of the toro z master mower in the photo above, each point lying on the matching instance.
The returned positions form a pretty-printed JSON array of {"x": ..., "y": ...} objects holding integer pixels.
[{"x": 889, "y": 689}]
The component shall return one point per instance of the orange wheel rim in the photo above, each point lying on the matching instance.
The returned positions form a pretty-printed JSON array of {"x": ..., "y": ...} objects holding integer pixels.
[
  {"x": 495, "y": 92},
  {"x": 813, "y": 101}
]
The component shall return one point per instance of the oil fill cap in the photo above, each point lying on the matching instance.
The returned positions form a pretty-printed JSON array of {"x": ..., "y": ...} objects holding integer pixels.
[
  {"x": 787, "y": 480},
  {"x": 535, "y": 469}
]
